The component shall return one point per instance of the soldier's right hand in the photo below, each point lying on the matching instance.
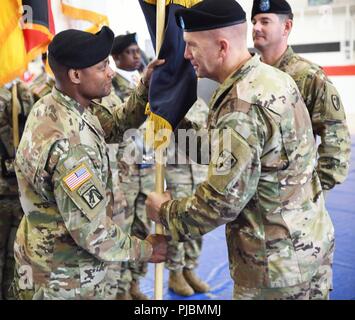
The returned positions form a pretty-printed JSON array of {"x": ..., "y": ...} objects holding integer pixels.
[{"x": 159, "y": 243}]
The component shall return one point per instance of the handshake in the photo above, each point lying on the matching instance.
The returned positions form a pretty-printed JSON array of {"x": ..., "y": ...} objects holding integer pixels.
[{"x": 159, "y": 242}]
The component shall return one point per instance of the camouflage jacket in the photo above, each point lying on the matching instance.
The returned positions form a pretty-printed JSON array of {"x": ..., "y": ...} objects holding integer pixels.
[
  {"x": 327, "y": 115},
  {"x": 122, "y": 87},
  {"x": 41, "y": 86},
  {"x": 8, "y": 183},
  {"x": 278, "y": 230},
  {"x": 67, "y": 236}
]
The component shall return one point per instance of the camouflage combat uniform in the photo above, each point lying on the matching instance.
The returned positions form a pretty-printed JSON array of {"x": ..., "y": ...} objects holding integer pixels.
[
  {"x": 10, "y": 207},
  {"x": 327, "y": 116},
  {"x": 122, "y": 86},
  {"x": 41, "y": 86},
  {"x": 263, "y": 185},
  {"x": 182, "y": 181},
  {"x": 128, "y": 178},
  {"x": 67, "y": 237}
]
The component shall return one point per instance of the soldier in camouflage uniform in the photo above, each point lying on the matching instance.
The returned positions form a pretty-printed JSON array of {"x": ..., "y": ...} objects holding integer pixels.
[
  {"x": 181, "y": 180},
  {"x": 262, "y": 179},
  {"x": 42, "y": 86},
  {"x": 272, "y": 26},
  {"x": 10, "y": 207},
  {"x": 67, "y": 237},
  {"x": 43, "y": 83},
  {"x": 118, "y": 276},
  {"x": 127, "y": 57}
]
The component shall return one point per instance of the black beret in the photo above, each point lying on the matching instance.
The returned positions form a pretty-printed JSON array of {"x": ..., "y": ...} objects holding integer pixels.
[
  {"x": 271, "y": 6},
  {"x": 210, "y": 14},
  {"x": 122, "y": 42},
  {"x": 79, "y": 49}
]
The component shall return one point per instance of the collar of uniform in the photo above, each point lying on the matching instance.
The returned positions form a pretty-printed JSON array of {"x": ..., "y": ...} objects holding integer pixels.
[
  {"x": 235, "y": 77},
  {"x": 82, "y": 112},
  {"x": 68, "y": 102},
  {"x": 287, "y": 55}
]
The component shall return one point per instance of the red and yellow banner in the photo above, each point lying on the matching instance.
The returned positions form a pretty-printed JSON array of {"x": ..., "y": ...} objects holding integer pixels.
[{"x": 28, "y": 26}]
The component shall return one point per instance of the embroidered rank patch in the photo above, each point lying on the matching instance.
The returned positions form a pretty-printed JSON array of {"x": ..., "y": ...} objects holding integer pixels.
[
  {"x": 92, "y": 197},
  {"x": 77, "y": 177}
]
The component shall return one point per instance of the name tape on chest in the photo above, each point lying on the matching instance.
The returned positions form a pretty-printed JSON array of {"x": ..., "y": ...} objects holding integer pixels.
[{"x": 77, "y": 177}]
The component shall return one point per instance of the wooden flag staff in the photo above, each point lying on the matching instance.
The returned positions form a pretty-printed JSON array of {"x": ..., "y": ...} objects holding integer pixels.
[{"x": 159, "y": 155}]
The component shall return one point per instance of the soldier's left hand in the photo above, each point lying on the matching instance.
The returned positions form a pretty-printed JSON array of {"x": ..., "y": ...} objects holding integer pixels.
[
  {"x": 153, "y": 204},
  {"x": 149, "y": 70}
]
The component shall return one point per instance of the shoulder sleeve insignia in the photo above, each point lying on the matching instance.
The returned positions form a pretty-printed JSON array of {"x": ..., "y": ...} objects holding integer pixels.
[
  {"x": 77, "y": 177},
  {"x": 227, "y": 165},
  {"x": 336, "y": 102},
  {"x": 225, "y": 161},
  {"x": 92, "y": 197}
]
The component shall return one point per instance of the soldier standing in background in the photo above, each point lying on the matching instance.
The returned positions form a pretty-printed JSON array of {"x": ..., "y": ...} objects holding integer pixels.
[
  {"x": 43, "y": 83},
  {"x": 138, "y": 180},
  {"x": 128, "y": 59},
  {"x": 127, "y": 56},
  {"x": 262, "y": 179},
  {"x": 273, "y": 21},
  {"x": 182, "y": 180},
  {"x": 10, "y": 207}
]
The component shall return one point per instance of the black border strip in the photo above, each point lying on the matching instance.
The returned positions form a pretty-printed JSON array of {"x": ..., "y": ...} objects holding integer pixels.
[
  {"x": 317, "y": 47},
  {"x": 313, "y": 47}
]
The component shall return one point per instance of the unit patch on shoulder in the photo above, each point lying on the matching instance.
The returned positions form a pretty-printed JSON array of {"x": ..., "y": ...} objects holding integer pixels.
[
  {"x": 226, "y": 161},
  {"x": 92, "y": 197},
  {"x": 77, "y": 177},
  {"x": 336, "y": 102}
]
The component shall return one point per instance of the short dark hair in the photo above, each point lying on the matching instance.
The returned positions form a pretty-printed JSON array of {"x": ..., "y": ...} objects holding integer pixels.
[{"x": 58, "y": 69}]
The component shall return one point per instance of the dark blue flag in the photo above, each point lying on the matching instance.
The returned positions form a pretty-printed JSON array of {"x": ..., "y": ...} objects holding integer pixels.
[{"x": 173, "y": 86}]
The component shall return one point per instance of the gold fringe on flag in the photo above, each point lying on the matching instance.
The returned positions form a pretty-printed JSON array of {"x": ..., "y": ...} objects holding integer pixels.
[
  {"x": 158, "y": 130},
  {"x": 184, "y": 3}
]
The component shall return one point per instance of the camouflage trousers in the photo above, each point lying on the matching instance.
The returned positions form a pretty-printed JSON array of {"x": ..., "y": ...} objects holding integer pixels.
[
  {"x": 318, "y": 288},
  {"x": 137, "y": 224},
  {"x": 181, "y": 254},
  {"x": 126, "y": 186},
  {"x": 10, "y": 216}
]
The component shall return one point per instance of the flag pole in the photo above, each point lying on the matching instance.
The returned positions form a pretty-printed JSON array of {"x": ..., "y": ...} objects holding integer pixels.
[
  {"x": 15, "y": 112},
  {"x": 159, "y": 154}
]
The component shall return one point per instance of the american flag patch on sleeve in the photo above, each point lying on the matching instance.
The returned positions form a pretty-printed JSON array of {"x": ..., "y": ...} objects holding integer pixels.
[{"x": 77, "y": 177}]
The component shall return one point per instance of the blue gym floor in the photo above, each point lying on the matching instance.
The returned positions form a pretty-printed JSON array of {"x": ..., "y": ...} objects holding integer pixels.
[{"x": 213, "y": 266}]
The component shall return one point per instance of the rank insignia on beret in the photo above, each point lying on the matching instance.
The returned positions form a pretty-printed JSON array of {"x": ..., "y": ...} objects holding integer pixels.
[
  {"x": 264, "y": 5},
  {"x": 225, "y": 161},
  {"x": 92, "y": 197},
  {"x": 336, "y": 102},
  {"x": 77, "y": 177}
]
